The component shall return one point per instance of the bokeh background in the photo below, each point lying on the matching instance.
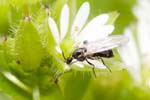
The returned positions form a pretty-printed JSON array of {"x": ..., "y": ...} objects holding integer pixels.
[{"x": 130, "y": 77}]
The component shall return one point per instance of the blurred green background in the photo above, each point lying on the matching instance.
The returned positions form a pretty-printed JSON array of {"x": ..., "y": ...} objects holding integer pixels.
[{"x": 77, "y": 84}]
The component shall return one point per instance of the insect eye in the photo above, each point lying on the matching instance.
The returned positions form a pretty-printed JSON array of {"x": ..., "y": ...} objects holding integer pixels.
[
  {"x": 85, "y": 42},
  {"x": 78, "y": 53}
]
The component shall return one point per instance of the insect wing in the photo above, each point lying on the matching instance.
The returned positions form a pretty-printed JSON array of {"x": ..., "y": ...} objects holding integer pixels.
[{"x": 107, "y": 43}]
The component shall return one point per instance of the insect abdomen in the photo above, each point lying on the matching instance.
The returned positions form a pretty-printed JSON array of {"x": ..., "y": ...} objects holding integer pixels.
[{"x": 105, "y": 54}]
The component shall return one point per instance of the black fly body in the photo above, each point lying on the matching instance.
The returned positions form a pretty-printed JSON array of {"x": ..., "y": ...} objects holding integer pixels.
[{"x": 96, "y": 50}]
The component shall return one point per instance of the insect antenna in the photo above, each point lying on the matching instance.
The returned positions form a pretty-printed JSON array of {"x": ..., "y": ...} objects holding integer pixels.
[
  {"x": 105, "y": 65},
  {"x": 63, "y": 55}
]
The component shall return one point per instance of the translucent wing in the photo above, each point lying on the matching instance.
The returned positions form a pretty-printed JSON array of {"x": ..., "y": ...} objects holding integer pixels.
[{"x": 107, "y": 43}]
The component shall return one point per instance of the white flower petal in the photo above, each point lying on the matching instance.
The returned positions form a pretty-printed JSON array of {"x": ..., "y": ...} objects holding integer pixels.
[
  {"x": 64, "y": 21},
  {"x": 58, "y": 49},
  {"x": 79, "y": 64},
  {"x": 99, "y": 20},
  {"x": 129, "y": 55},
  {"x": 98, "y": 64},
  {"x": 148, "y": 81},
  {"x": 66, "y": 66},
  {"x": 80, "y": 18},
  {"x": 54, "y": 29},
  {"x": 94, "y": 32}
]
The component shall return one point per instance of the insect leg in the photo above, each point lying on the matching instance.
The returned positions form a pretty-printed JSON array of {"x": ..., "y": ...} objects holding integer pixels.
[
  {"x": 93, "y": 69},
  {"x": 105, "y": 64}
]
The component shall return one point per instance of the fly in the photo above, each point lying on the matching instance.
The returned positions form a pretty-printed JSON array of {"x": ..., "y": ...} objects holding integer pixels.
[{"x": 95, "y": 50}]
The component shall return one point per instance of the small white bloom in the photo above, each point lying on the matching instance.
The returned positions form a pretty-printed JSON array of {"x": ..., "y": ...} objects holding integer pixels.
[
  {"x": 148, "y": 81},
  {"x": 130, "y": 56},
  {"x": 97, "y": 64},
  {"x": 95, "y": 29},
  {"x": 141, "y": 11},
  {"x": 143, "y": 26},
  {"x": 135, "y": 57}
]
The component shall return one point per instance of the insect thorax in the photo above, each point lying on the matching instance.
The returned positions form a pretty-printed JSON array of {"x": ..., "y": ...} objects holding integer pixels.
[{"x": 79, "y": 54}]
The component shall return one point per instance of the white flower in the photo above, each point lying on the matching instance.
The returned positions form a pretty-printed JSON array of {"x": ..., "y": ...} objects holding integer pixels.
[
  {"x": 130, "y": 56},
  {"x": 143, "y": 27},
  {"x": 93, "y": 30},
  {"x": 138, "y": 59},
  {"x": 143, "y": 33}
]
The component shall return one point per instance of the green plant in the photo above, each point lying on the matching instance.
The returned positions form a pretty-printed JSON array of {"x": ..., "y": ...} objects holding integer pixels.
[{"x": 31, "y": 61}]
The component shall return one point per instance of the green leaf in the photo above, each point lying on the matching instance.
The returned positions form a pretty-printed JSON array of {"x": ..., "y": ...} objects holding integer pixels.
[
  {"x": 44, "y": 30},
  {"x": 12, "y": 90},
  {"x": 113, "y": 16},
  {"x": 4, "y": 10},
  {"x": 6, "y": 52},
  {"x": 28, "y": 46},
  {"x": 115, "y": 86},
  {"x": 74, "y": 85},
  {"x": 4, "y": 96}
]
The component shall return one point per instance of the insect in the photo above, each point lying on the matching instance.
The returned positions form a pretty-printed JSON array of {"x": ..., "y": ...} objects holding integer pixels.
[{"x": 95, "y": 50}]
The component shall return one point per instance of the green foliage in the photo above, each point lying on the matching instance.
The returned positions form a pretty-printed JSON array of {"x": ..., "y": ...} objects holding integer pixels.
[
  {"x": 4, "y": 96},
  {"x": 29, "y": 54},
  {"x": 4, "y": 9},
  {"x": 28, "y": 46}
]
